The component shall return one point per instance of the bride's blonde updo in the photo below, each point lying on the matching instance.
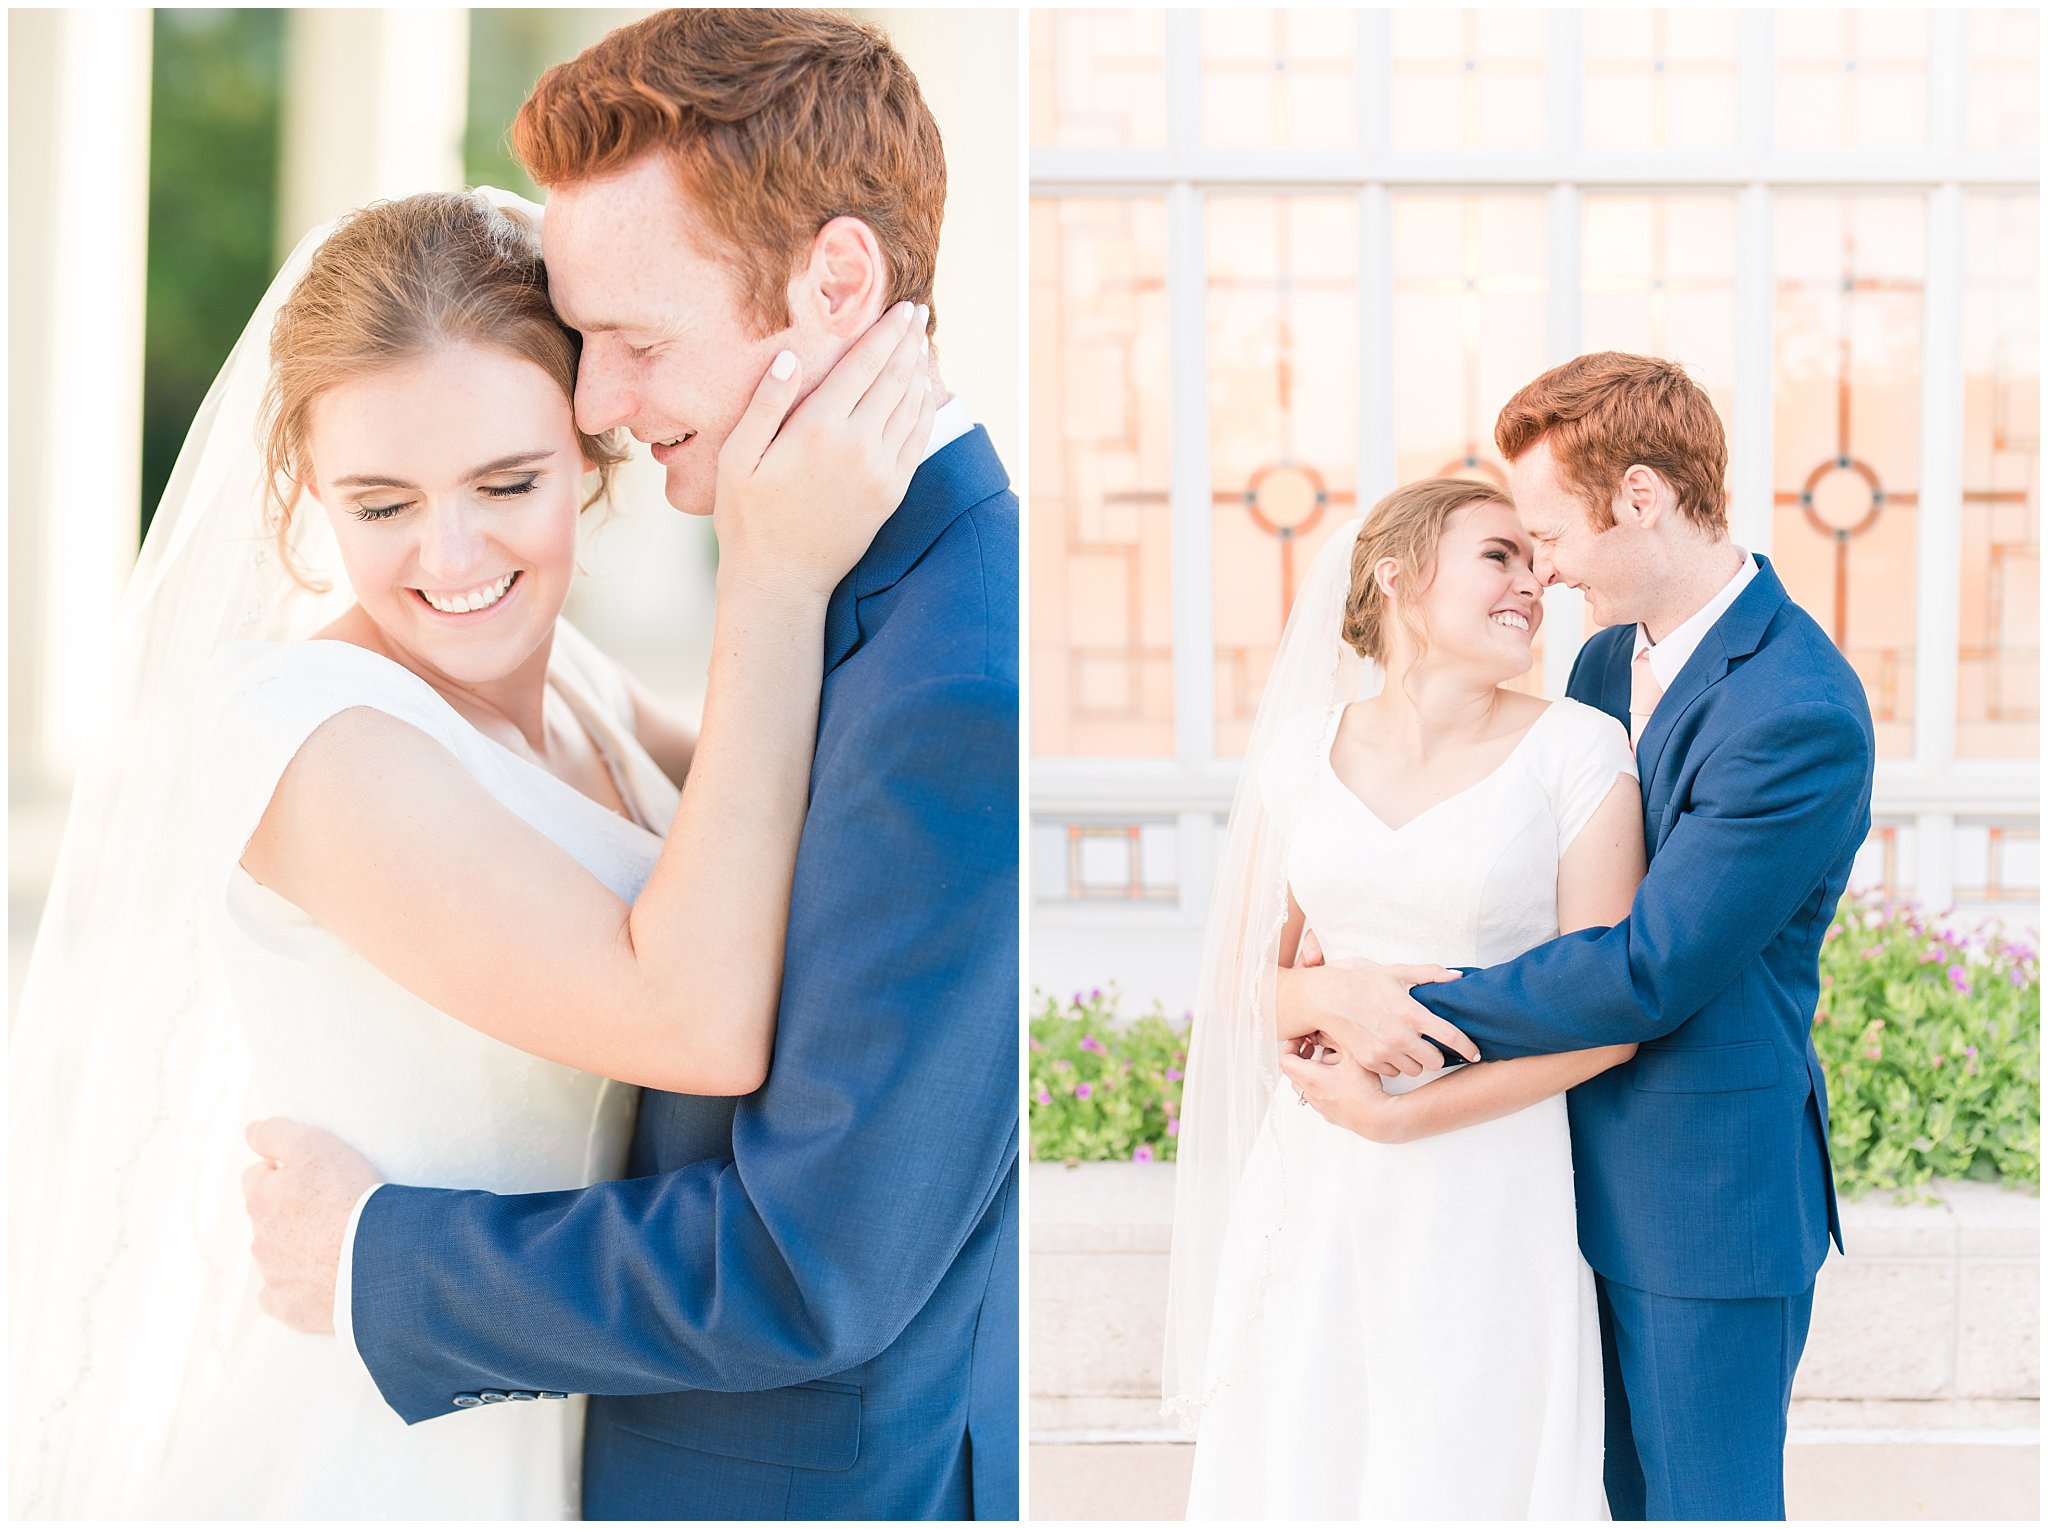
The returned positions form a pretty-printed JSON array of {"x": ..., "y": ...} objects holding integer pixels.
[
  {"x": 398, "y": 280},
  {"x": 1406, "y": 526}
]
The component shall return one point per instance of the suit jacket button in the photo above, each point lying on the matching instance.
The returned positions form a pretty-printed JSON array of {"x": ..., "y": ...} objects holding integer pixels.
[
  {"x": 523, "y": 1396},
  {"x": 554, "y": 1396},
  {"x": 467, "y": 1399},
  {"x": 492, "y": 1396}
]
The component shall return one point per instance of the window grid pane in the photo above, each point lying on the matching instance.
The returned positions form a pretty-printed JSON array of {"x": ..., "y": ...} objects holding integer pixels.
[
  {"x": 1468, "y": 80},
  {"x": 1660, "y": 80},
  {"x": 2002, "y": 100},
  {"x": 1283, "y": 421},
  {"x": 1279, "y": 79},
  {"x": 1471, "y": 283},
  {"x": 1851, "y": 79},
  {"x": 1101, "y": 536},
  {"x": 1847, "y": 432},
  {"x": 1999, "y": 674},
  {"x": 1658, "y": 279},
  {"x": 1098, "y": 79}
]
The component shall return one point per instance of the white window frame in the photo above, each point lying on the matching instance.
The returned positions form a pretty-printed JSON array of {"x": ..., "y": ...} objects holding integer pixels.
[{"x": 1928, "y": 791}]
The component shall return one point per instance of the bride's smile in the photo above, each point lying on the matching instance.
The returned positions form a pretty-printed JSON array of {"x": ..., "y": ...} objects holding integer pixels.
[{"x": 453, "y": 482}]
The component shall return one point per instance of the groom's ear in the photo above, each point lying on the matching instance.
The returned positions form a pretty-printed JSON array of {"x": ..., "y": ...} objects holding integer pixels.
[
  {"x": 1646, "y": 496},
  {"x": 844, "y": 286}
]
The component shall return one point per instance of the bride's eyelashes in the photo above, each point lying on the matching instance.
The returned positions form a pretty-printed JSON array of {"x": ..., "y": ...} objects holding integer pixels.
[{"x": 489, "y": 490}]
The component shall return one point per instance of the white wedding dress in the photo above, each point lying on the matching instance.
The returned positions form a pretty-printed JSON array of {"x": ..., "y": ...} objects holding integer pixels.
[
  {"x": 1410, "y": 1331},
  {"x": 295, "y": 1427}
]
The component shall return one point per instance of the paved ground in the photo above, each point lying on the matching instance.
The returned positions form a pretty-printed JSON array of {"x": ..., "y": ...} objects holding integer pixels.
[{"x": 1875, "y": 1480}]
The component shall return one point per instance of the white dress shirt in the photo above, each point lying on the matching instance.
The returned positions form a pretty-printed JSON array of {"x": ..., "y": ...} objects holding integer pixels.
[
  {"x": 950, "y": 423},
  {"x": 1671, "y": 655}
]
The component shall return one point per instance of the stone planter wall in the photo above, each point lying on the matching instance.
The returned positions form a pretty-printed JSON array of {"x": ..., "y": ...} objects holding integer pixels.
[{"x": 1932, "y": 1320}]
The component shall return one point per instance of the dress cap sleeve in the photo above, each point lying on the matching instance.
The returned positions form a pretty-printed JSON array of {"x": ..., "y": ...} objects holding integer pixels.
[
  {"x": 262, "y": 701},
  {"x": 1588, "y": 751}
]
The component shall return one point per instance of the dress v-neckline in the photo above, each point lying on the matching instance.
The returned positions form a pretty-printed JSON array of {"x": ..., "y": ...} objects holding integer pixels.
[
  {"x": 1381, "y": 823},
  {"x": 613, "y": 768}
]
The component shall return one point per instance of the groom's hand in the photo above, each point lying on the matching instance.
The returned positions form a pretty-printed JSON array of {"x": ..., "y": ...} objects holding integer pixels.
[
  {"x": 299, "y": 1200},
  {"x": 1367, "y": 1012}
]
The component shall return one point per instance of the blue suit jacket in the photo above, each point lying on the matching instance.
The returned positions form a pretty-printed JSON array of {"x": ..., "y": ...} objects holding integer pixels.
[
  {"x": 801, "y": 1304},
  {"x": 1702, "y": 1165}
]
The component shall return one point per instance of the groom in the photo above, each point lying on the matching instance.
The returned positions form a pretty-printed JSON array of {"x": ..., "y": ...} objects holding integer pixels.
[
  {"x": 1706, "y": 1202},
  {"x": 801, "y": 1304}
]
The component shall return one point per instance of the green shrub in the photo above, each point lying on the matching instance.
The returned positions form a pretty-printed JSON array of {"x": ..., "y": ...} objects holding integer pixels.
[
  {"x": 1104, "y": 1089},
  {"x": 1931, "y": 1041},
  {"x": 1932, "y": 1045}
]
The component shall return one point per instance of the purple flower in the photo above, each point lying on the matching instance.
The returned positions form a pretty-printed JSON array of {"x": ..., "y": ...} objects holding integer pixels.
[
  {"x": 2016, "y": 977},
  {"x": 1875, "y": 1053},
  {"x": 1090, "y": 1043},
  {"x": 1960, "y": 980},
  {"x": 1037, "y": 1044},
  {"x": 1142, "y": 1155},
  {"x": 1970, "y": 1052},
  {"x": 1931, "y": 955},
  {"x": 1173, "y": 1075},
  {"x": 1172, "y": 1127},
  {"x": 1084, "y": 1090},
  {"x": 1873, "y": 953},
  {"x": 1044, "y": 1096},
  {"x": 1078, "y": 999},
  {"x": 1061, "y": 1064},
  {"x": 1095, "y": 995}
]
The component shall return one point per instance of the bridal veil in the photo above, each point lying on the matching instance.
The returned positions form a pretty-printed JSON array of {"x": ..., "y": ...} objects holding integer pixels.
[
  {"x": 1233, "y": 1051},
  {"x": 128, "y": 1264}
]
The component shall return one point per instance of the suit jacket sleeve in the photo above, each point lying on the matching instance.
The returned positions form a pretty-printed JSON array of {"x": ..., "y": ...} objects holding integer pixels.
[
  {"x": 1771, "y": 809},
  {"x": 888, "y": 1126}
]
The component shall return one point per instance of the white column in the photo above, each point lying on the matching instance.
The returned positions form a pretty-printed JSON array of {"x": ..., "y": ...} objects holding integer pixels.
[
  {"x": 375, "y": 102},
  {"x": 1939, "y": 571},
  {"x": 1564, "y": 608},
  {"x": 1750, "y": 434},
  {"x": 1376, "y": 458},
  {"x": 1193, "y": 509},
  {"x": 1938, "y": 544},
  {"x": 79, "y": 84},
  {"x": 1187, "y": 285},
  {"x": 1375, "y": 81},
  {"x": 981, "y": 267}
]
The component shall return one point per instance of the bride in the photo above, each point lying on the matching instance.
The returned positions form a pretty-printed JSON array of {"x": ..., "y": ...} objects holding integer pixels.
[
  {"x": 384, "y": 845},
  {"x": 1389, "y": 1317}
]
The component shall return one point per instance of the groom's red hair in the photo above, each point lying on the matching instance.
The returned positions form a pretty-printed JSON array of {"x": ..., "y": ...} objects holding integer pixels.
[
  {"x": 777, "y": 122},
  {"x": 1606, "y": 412}
]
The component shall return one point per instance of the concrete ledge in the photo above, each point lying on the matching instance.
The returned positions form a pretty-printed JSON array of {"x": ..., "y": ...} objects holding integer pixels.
[
  {"x": 1884, "y": 1481},
  {"x": 1939, "y": 1303}
]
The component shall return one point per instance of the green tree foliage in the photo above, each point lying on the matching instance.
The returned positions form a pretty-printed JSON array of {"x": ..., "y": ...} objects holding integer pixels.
[{"x": 215, "y": 111}]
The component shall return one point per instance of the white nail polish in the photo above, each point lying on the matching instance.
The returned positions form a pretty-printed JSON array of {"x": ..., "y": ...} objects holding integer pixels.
[{"x": 784, "y": 367}]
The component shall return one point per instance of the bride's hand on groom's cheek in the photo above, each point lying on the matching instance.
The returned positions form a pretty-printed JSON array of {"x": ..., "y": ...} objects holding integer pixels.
[
  {"x": 299, "y": 1198},
  {"x": 800, "y": 497}
]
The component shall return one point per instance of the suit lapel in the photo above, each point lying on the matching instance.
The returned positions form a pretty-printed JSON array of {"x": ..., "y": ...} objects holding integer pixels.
[
  {"x": 1738, "y": 633},
  {"x": 945, "y": 487}
]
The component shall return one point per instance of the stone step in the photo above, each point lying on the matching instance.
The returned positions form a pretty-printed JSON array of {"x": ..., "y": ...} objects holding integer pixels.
[{"x": 1823, "y": 1480}]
